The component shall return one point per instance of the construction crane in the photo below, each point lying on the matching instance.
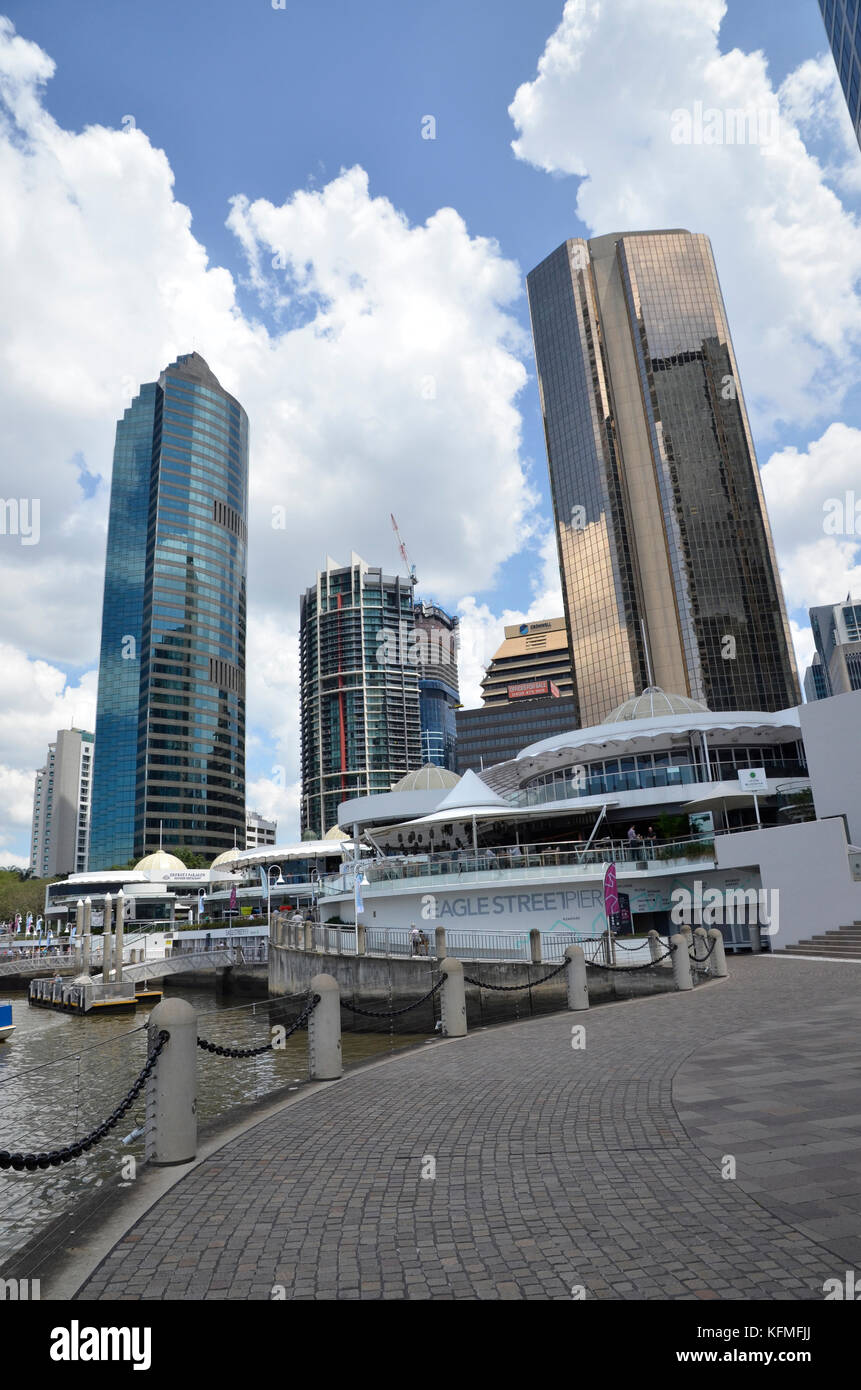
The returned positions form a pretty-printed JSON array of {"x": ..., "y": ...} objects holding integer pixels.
[{"x": 411, "y": 569}]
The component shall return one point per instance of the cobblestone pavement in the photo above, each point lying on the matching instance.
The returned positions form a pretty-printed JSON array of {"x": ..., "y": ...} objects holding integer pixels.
[{"x": 555, "y": 1167}]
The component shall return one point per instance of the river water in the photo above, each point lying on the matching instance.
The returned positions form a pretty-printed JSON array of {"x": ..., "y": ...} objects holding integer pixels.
[{"x": 61, "y": 1076}]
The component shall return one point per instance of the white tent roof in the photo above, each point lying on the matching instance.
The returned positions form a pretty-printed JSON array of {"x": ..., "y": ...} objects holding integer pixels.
[{"x": 469, "y": 794}]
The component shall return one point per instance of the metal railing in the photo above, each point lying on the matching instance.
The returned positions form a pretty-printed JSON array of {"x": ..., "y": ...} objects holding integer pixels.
[
  {"x": 503, "y": 860},
  {"x": 641, "y": 779}
]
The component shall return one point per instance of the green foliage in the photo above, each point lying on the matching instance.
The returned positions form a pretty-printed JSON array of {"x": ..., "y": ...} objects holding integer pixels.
[
  {"x": 20, "y": 892},
  {"x": 190, "y": 858}
]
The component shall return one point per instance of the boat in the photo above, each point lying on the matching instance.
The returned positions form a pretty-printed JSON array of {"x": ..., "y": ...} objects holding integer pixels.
[{"x": 7, "y": 1027}]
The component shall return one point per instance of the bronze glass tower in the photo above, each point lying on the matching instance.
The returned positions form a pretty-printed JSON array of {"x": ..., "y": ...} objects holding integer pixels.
[{"x": 668, "y": 568}]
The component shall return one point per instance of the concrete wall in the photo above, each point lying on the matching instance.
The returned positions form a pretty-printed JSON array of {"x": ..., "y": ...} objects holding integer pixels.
[
  {"x": 831, "y": 730},
  {"x": 808, "y": 865},
  {"x": 375, "y": 982}
]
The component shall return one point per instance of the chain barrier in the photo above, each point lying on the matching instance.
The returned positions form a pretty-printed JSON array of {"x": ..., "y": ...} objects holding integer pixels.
[
  {"x": 221, "y": 1051},
  {"x": 507, "y": 989},
  {"x": 393, "y": 1013},
  {"x": 55, "y": 1157},
  {"x": 699, "y": 960},
  {"x": 647, "y": 965}
]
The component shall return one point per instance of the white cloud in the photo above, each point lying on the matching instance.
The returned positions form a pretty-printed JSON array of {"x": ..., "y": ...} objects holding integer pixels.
[
  {"x": 814, "y": 502},
  {"x": 787, "y": 251},
  {"x": 381, "y": 375}
]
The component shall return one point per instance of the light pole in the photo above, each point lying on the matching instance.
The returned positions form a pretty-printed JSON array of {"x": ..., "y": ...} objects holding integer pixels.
[{"x": 279, "y": 882}]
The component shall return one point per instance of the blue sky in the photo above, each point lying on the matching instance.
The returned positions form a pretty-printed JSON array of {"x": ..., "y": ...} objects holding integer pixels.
[{"x": 244, "y": 99}]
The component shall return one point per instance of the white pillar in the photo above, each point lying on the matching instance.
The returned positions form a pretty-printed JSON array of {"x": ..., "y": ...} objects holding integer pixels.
[
  {"x": 453, "y": 1001},
  {"x": 324, "y": 1031},
  {"x": 88, "y": 913},
  {"x": 171, "y": 1092},
  {"x": 681, "y": 961},
  {"x": 718, "y": 957},
  {"x": 575, "y": 977},
  {"x": 106, "y": 941},
  {"x": 79, "y": 930},
  {"x": 119, "y": 943},
  {"x": 440, "y": 946}
]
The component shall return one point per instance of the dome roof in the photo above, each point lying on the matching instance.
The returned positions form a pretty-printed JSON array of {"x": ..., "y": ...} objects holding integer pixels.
[
  {"x": 336, "y": 833},
  {"x": 160, "y": 861},
  {"x": 427, "y": 779},
  {"x": 228, "y": 857},
  {"x": 654, "y": 703}
]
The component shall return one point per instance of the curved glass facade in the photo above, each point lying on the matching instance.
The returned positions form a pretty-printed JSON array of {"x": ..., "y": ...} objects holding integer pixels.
[{"x": 171, "y": 703}]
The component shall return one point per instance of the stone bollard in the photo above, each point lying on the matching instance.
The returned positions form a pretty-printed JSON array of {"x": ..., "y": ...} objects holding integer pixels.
[
  {"x": 656, "y": 950},
  {"x": 575, "y": 978},
  {"x": 361, "y": 941},
  {"x": 440, "y": 947},
  {"x": 324, "y": 1031},
  {"x": 535, "y": 945},
  {"x": 453, "y": 1001},
  {"x": 754, "y": 937},
  {"x": 701, "y": 946},
  {"x": 171, "y": 1092},
  {"x": 681, "y": 961},
  {"x": 308, "y": 936},
  {"x": 718, "y": 956}
]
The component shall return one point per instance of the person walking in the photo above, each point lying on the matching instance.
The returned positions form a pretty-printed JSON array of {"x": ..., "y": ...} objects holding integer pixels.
[{"x": 415, "y": 939}]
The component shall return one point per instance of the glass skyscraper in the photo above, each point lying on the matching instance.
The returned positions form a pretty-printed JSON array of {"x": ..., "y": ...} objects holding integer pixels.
[
  {"x": 361, "y": 721},
  {"x": 439, "y": 689},
  {"x": 668, "y": 568},
  {"x": 170, "y": 722},
  {"x": 843, "y": 27}
]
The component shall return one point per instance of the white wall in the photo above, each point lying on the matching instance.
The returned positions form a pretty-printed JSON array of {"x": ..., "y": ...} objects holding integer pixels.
[
  {"x": 808, "y": 864},
  {"x": 831, "y": 730}
]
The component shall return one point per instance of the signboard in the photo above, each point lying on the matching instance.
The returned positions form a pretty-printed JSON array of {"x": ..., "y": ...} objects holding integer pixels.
[
  {"x": 525, "y": 689},
  {"x": 702, "y": 822},
  {"x": 611, "y": 892},
  {"x": 554, "y": 689},
  {"x": 621, "y": 920},
  {"x": 752, "y": 779}
]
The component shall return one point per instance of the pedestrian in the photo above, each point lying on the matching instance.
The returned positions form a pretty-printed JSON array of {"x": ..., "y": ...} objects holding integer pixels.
[
  {"x": 415, "y": 939},
  {"x": 425, "y": 942}
]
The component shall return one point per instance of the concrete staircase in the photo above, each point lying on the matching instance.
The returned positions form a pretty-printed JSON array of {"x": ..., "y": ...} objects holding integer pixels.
[{"x": 843, "y": 944}]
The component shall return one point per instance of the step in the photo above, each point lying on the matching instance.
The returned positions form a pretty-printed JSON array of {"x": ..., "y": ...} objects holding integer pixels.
[{"x": 834, "y": 951}]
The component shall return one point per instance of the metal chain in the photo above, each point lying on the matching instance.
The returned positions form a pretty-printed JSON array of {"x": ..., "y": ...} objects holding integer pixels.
[
  {"x": 507, "y": 989},
  {"x": 393, "y": 1013},
  {"x": 700, "y": 959},
  {"x": 647, "y": 965},
  {"x": 221, "y": 1051},
  {"x": 55, "y": 1157}
]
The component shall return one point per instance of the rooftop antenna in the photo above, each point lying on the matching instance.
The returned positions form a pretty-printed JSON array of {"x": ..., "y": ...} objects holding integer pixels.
[{"x": 160, "y": 824}]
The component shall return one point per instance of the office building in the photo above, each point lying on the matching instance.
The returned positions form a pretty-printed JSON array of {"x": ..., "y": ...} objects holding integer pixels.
[
  {"x": 439, "y": 691},
  {"x": 496, "y": 733},
  {"x": 359, "y": 681},
  {"x": 815, "y": 680},
  {"x": 668, "y": 569},
  {"x": 259, "y": 831},
  {"x": 836, "y": 667},
  {"x": 533, "y": 662},
  {"x": 61, "y": 806},
  {"x": 843, "y": 27},
  {"x": 170, "y": 724}
]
